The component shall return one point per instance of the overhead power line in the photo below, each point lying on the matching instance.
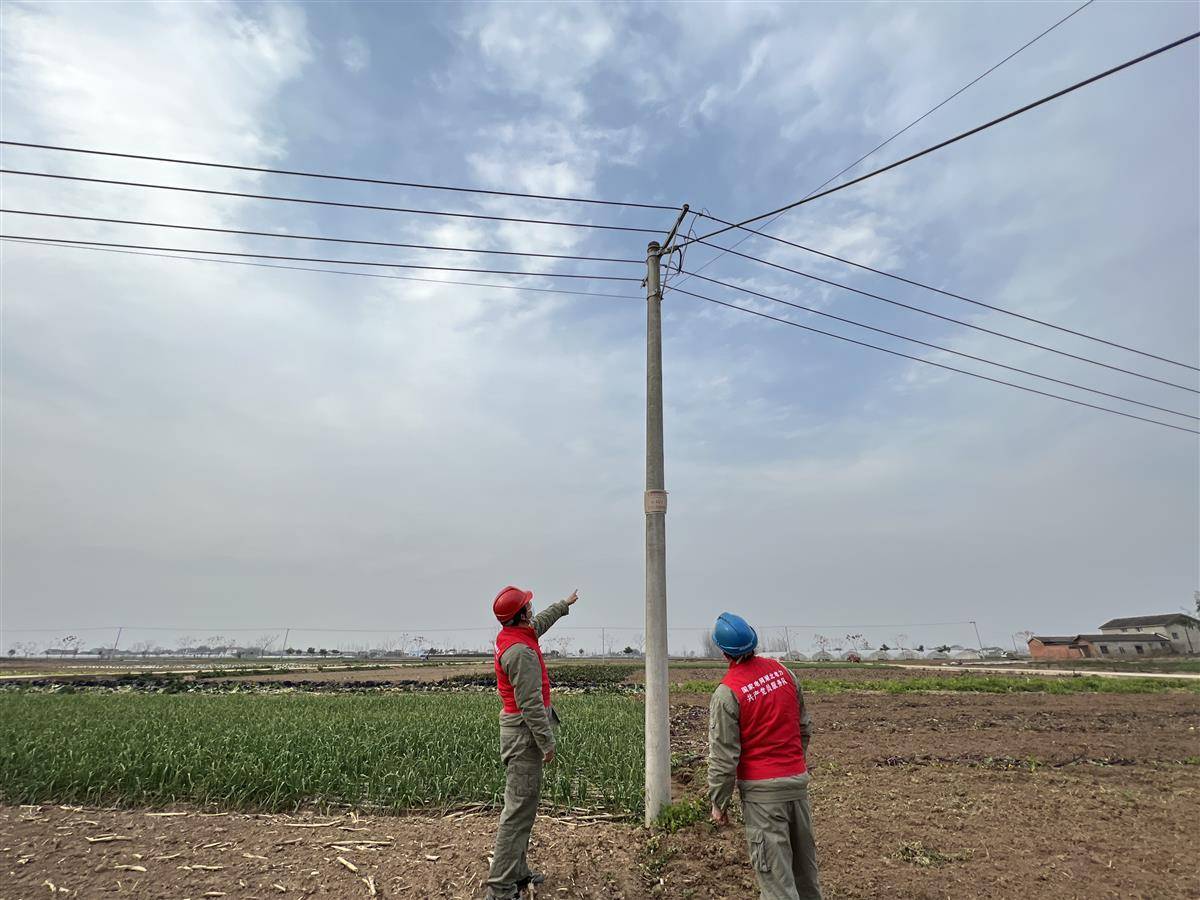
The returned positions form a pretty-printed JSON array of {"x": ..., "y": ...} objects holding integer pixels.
[
  {"x": 963, "y": 89},
  {"x": 962, "y": 136},
  {"x": 329, "y": 177},
  {"x": 311, "y": 237},
  {"x": 308, "y": 200},
  {"x": 897, "y": 134},
  {"x": 929, "y": 287},
  {"x": 904, "y": 337},
  {"x": 930, "y": 362},
  {"x": 952, "y": 320},
  {"x": 68, "y": 245},
  {"x": 343, "y": 262}
]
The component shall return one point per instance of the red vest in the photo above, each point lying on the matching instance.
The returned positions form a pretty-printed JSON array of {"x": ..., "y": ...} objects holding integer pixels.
[
  {"x": 769, "y": 716},
  {"x": 518, "y": 634}
]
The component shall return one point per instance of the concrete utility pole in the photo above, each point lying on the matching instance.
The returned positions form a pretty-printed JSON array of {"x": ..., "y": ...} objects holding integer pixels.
[{"x": 658, "y": 712}]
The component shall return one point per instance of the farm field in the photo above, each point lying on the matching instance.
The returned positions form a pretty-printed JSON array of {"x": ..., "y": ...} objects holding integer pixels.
[{"x": 925, "y": 793}]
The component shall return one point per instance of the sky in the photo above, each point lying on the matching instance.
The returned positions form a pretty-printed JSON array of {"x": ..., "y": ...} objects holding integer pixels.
[{"x": 193, "y": 449}]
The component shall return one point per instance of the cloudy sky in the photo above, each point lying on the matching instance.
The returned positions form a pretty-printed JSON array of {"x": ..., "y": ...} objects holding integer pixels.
[{"x": 203, "y": 447}]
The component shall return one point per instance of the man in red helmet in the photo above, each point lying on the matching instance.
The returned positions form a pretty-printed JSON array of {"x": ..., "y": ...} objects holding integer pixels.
[{"x": 527, "y": 726}]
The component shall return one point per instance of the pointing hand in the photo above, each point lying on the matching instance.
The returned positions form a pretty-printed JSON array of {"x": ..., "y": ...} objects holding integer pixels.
[{"x": 574, "y": 596}]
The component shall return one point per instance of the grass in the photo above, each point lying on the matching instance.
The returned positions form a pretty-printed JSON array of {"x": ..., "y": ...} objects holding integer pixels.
[
  {"x": 682, "y": 814},
  {"x": 284, "y": 751},
  {"x": 1185, "y": 665},
  {"x": 919, "y": 855},
  {"x": 981, "y": 684}
]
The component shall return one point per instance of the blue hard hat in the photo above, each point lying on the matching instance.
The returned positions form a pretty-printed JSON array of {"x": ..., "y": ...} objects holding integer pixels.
[{"x": 734, "y": 635}]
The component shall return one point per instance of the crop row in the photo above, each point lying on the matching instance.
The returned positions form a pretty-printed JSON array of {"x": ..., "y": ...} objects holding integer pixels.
[{"x": 283, "y": 751}]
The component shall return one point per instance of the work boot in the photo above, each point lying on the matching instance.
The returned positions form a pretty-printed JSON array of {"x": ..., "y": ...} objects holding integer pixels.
[{"x": 534, "y": 878}]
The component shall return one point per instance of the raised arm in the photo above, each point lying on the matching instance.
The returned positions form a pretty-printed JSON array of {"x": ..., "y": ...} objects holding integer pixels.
[{"x": 552, "y": 613}]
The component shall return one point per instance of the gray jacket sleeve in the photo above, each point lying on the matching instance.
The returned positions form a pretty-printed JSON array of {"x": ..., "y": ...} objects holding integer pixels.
[
  {"x": 805, "y": 718},
  {"x": 724, "y": 746},
  {"x": 551, "y": 614},
  {"x": 520, "y": 664}
]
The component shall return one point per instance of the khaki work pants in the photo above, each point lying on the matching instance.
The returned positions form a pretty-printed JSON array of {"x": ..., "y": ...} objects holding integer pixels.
[
  {"x": 779, "y": 836},
  {"x": 522, "y": 789}
]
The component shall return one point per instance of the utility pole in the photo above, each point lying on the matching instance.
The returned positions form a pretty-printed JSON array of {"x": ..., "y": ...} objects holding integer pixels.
[
  {"x": 977, "y": 638},
  {"x": 118, "y": 640},
  {"x": 658, "y": 722}
]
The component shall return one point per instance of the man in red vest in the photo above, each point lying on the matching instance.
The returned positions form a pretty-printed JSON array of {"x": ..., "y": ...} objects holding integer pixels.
[
  {"x": 758, "y": 732},
  {"x": 527, "y": 727}
]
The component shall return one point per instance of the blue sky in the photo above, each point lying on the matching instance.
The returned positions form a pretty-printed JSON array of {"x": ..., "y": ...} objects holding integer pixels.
[{"x": 221, "y": 447}]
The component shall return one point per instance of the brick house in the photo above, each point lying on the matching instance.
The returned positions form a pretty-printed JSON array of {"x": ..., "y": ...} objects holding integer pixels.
[
  {"x": 1182, "y": 630},
  {"x": 1047, "y": 646},
  {"x": 1099, "y": 646}
]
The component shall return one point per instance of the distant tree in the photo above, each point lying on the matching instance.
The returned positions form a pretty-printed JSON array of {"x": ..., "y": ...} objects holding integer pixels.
[
  {"x": 628, "y": 651},
  {"x": 777, "y": 643},
  {"x": 1196, "y": 597},
  {"x": 12, "y": 651},
  {"x": 581, "y": 651},
  {"x": 920, "y": 648},
  {"x": 944, "y": 648},
  {"x": 289, "y": 651},
  {"x": 821, "y": 643},
  {"x": 708, "y": 647},
  {"x": 324, "y": 652},
  {"x": 884, "y": 647},
  {"x": 311, "y": 651}
]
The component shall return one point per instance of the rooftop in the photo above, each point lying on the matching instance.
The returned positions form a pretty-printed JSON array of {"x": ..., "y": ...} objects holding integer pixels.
[
  {"x": 1054, "y": 638},
  {"x": 1143, "y": 621}
]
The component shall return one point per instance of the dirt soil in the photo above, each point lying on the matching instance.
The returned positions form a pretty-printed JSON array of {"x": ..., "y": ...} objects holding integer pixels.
[{"x": 914, "y": 796}]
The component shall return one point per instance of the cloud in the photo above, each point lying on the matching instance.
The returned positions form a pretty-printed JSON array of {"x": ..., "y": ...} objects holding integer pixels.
[
  {"x": 205, "y": 444},
  {"x": 355, "y": 54}
]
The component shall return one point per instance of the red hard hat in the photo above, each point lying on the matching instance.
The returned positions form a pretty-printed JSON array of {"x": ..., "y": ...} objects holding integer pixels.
[{"x": 509, "y": 602}]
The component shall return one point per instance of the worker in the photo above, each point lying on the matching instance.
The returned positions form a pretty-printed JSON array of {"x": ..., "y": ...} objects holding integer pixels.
[
  {"x": 758, "y": 734},
  {"x": 528, "y": 724}
]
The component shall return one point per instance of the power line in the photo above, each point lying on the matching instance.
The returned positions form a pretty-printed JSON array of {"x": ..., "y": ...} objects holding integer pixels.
[
  {"x": 329, "y": 177},
  {"x": 60, "y": 244},
  {"x": 965, "y": 87},
  {"x": 951, "y": 319},
  {"x": 68, "y": 245},
  {"x": 342, "y": 205},
  {"x": 311, "y": 237},
  {"x": 344, "y": 262},
  {"x": 970, "y": 356},
  {"x": 966, "y": 134},
  {"x": 928, "y": 362},
  {"x": 928, "y": 287},
  {"x": 915, "y": 121}
]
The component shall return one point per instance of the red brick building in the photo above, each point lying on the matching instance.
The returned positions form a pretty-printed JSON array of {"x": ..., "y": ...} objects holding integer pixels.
[{"x": 1098, "y": 646}]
